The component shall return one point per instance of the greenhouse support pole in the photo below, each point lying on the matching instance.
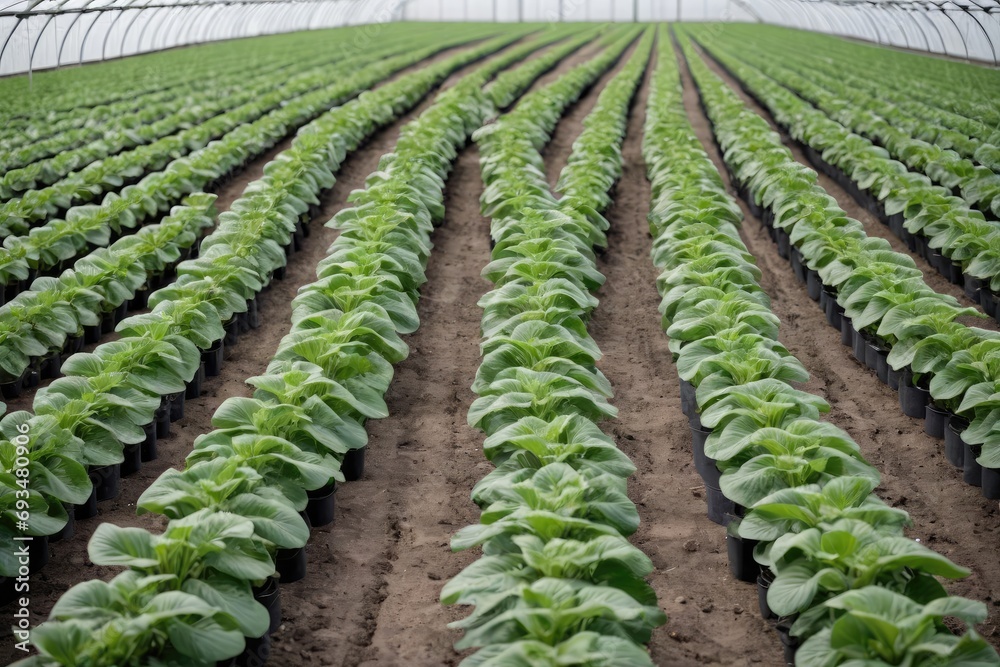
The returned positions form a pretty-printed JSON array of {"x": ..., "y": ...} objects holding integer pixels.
[
  {"x": 494, "y": 11},
  {"x": 27, "y": 41},
  {"x": 520, "y": 11},
  {"x": 635, "y": 11}
]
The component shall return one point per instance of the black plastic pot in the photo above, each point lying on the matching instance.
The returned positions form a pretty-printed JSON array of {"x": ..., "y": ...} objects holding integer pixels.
[
  {"x": 893, "y": 377},
  {"x": 7, "y": 591},
  {"x": 255, "y": 653},
  {"x": 31, "y": 376},
  {"x": 194, "y": 385},
  {"x": 140, "y": 299},
  {"x": 269, "y": 595},
  {"x": 162, "y": 418},
  {"x": 107, "y": 322},
  {"x": 177, "y": 406},
  {"x": 88, "y": 509},
  {"x": 253, "y": 314},
  {"x": 12, "y": 388},
  {"x": 720, "y": 510},
  {"x": 763, "y": 584},
  {"x": 990, "y": 479},
  {"x": 67, "y": 530},
  {"x": 972, "y": 287},
  {"x": 951, "y": 271},
  {"x": 972, "y": 471},
  {"x": 72, "y": 345},
  {"x": 871, "y": 355},
  {"x": 322, "y": 505},
  {"x": 860, "y": 347},
  {"x": 813, "y": 284},
  {"x": 212, "y": 358},
  {"x": 290, "y": 564},
  {"x": 51, "y": 366},
  {"x": 106, "y": 481},
  {"x": 741, "y": 563},
  {"x": 988, "y": 300},
  {"x": 935, "y": 419},
  {"x": 846, "y": 331},
  {"x": 913, "y": 400},
  {"x": 701, "y": 462},
  {"x": 833, "y": 310},
  {"x": 882, "y": 366},
  {"x": 954, "y": 446},
  {"x": 784, "y": 243},
  {"x": 798, "y": 268},
  {"x": 789, "y": 644},
  {"x": 353, "y": 465},
  {"x": 133, "y": 460},
  {"x": 148, "y": 448},
  {"x": 688, "y": 402},
  {"x": 38, "y": 553},
  {"x": 232, "y": 328}
]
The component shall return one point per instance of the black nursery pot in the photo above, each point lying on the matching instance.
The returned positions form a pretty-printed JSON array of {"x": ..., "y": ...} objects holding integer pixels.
[
  {"x": 38, "y": 553},
  {"x": 882, "y": 366},
  {"x": 107, "y": 322},
  {"x": 290, "y": 564},
  {"x": 133, "y": 460},
  {"x": 699, "y": 435},
  {"x": 193, "y": 389},
  {"x": 784, "y": 243},
  {"x": 833, "y": 310},
  {"x": 789, "y": 644},
  {"x": 860, "y": 347},
  {"x": 972, "y": 472},
  {"x": 797, "y": 267},
  {"x": 913, "y": 400},
  {"x": 253, "y": 314},
  {"x": 68, "y": 530},
  {"x": 177, "y": 406},
  {"x": 322, "y": 505},
  {"x": 688, "y": 403},
  {"x": 990, "y": 479},
  {"x": 269, "y": 595},
  {"x": 988, "y": 300},
  {"x": 721, "y": 510},
  {"x": 935, "y": 419},
  {"x": 232, "y": 328},
  {"x": 871, "y": 355},
  {"x": 353, "y": 465},
  {"x": 212, "y": 358},
  {"x": 255, "y": 654},
  {"x": 51, "y": 366},
  {"x": 763, "y": 584},
  {"x": 893, "y": 377},
  {"x": 11, "y": 389},
  {"x": 148, "y": 448},
  {"x": 106, "y": 481},
  {"x": 162, "y": 418},
  {"x": 813, "y": 284},
  {"x": 741, "y": 563},
  {"x": 972, "y": 287},
  {"x": 88, "y": 509},
  {"x": 846, "y": 331},
  {"x": 7, "y": 592},
  {"x": 954, "y": 446}
]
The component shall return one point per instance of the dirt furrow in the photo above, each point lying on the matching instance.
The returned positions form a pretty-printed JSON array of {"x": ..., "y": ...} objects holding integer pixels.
[{"x": 948, "y": 515}]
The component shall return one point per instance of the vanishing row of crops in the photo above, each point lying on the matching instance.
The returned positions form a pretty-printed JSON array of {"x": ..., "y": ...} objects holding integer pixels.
[{"x": 558, "y": 581}]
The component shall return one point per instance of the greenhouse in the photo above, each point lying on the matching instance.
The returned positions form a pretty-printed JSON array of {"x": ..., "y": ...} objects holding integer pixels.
[{"x": 597, "y": 333}]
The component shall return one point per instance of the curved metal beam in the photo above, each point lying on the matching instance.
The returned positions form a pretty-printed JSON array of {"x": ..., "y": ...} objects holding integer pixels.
[
  {"x": 83, "y": 42},
  {"x": 128, "y": 28},
  {"x": 9, "y": 35},
  {"x": 944, "y": 12},
  {"x": 968, "y": 11},
  {"x": 142, "y": 33}
]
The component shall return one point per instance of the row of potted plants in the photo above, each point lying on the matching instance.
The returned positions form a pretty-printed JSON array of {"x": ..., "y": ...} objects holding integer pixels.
[
  {"x": 109, "y": 398},
  {"x": 44, "y": 325},
  {"x": 955, "y": 239},
  {"x": 831, "y": 561},
  {"x": 247, "y": 484},
  {"x": 267, "y": 100},
  {"x": 944, "y": 369},
  {"x": 901, "y": 108},
  {"x": 131, "y": 122},
  {"x": 45, "y": 248},
  {"x": 558, "y": 582}
]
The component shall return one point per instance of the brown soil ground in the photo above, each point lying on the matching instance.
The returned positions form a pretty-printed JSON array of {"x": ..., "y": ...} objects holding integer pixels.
[{"x": 948, "y": 516}]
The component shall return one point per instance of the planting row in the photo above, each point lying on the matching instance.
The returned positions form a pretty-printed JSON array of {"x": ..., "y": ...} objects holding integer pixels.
[
  {"x": 979, "y": 186},
  {"x": 558, "y": 582},
  {"x": 253, "y": 475},
  {"x": 311, "y": 89},
  {"x": 943, "y": 368},
  {"x": 47, "y": 248},
  {"x": 129, "y": 151},
  {"x": 830, "y": 559}
]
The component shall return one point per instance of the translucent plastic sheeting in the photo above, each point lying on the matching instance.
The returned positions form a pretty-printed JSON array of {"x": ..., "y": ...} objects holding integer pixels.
[
  {"x": 967, "y": 29},
  {"x": 50, "y": 33}
]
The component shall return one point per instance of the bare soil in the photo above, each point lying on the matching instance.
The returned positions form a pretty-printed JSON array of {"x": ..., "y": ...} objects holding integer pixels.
[{"x": 948, "y": 516}]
